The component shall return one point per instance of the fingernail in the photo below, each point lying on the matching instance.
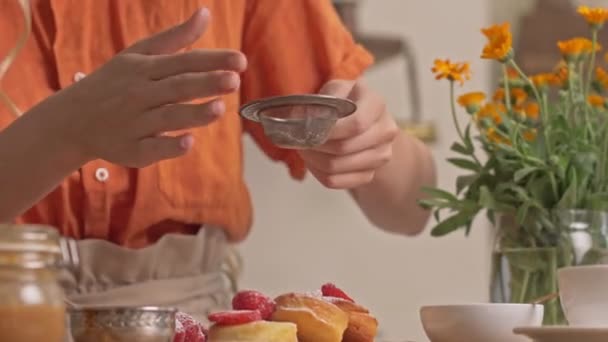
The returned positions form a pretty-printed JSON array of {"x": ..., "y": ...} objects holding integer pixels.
[
  {"x": 187, "y": 142},
  {"x": 218, "y": 107},
  {"x": 231, "y": 81},
  {"x": 203, "y": 12}
]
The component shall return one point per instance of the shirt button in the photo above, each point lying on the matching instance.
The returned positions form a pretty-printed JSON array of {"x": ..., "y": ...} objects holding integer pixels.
[
  {"x": 102, "y": 174},
  {"x": 79, "y": 76}
]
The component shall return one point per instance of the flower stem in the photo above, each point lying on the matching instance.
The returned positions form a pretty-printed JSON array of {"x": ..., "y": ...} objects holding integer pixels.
[
  {"x": 542, "y": 100},
  {"x": 454, "y": 116},
  {"x": 507, "y": 88},
  {"x": 592, "y": 63},
  {"x": 571, "y": 71}
]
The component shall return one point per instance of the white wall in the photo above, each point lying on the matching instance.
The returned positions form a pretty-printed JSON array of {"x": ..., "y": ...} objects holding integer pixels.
[{"x": 305, "y": 235}]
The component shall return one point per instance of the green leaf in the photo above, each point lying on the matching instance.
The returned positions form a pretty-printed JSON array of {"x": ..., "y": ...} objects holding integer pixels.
[
  {"x": 464, "y": 181},
  {"x": 467, "y": 139},
  {"x": 438, "y": 193},
  {"x": 459, "y": 148},
  {"x": 523, "y": 173},
  {"x": 464, "y": 164},
  {"x": 452, "y": 223}
]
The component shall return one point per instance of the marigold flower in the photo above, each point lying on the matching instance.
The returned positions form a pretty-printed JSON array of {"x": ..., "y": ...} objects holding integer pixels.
[
  {"x": 561, "y": 75},
  {"x": 594, "y": 16},
  {"x": 596, "y": 100},
  {"x": 500, "y": 43},
  {"x": 573, "y": 49},
  {"x": 491, "y": 111},
  {"x": 518, "y": 96},
  {"x": 529, "y": 134},
  {"x": 543, "y": 80},
  {"x": 472, "y": 101},
  {"x": 451, "y": 71},
  {"x": 493, "y": 136},
  {"x": 532, "y": 111},
  {"x": 512, "y": 73},
  {"x": 601, "y": 77}
]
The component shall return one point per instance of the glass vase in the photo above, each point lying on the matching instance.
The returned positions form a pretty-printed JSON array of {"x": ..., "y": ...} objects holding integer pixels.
[{"x": 524, "y": 267}]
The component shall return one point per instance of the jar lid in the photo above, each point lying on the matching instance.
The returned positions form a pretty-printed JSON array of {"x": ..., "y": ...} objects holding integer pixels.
[
  {"x": 343, "y": 107},
  {"x": 35, "y": 246}
]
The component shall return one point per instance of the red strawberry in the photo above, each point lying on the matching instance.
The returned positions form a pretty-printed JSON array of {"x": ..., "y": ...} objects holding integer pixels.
[
  {"x": 187, "y": 329},
  {"x": 331, "y": 290},
  {"x": 235, "y": 317},
  {"x": 253, "y": 300}
]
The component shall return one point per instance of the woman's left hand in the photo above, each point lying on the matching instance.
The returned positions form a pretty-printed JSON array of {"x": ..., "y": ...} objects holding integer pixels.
[{"x": 359, "y": 144}]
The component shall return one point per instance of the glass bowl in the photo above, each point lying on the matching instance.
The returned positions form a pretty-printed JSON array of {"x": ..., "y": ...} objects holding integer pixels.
[{"x": 298, "y": 121}]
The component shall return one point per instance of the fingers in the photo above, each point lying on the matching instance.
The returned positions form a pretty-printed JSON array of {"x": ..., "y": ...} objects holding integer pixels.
[
  {"x": 179, "y": 116},
  {"x": 368, "y": 160},
  {"x": 343, "y": 181},
  {"x": 154, "y": 149},
  {"x": 197, "y": 61},
  {"x": 381, "y": 132},
  {"x": 175, "y": 38},
  {"x": 338, "y": 88},
  {"x": 186, "y": 87},
  {"x": 370, "y": 108}
]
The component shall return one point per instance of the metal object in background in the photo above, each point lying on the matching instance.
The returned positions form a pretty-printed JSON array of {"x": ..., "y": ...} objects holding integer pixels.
[
  {"x": 145, "y": 324},
  {"x": 384, "y": 48}
]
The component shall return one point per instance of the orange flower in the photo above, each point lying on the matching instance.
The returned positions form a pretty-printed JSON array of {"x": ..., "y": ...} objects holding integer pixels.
[
  {"x": 596, "y": 100},
  {"x": 529, "y": 134},
  {"x": 572, "y": 49},
  {"x": 472, "y": 101},
  {"x": 543, "y": 80},
  {"x": 561, "y": 75},
  {"x": 500, "y": 43},
  {"x": 601, "y": 76},
  {"x": 531, "y": 111},
  {"x": 512, "y": 74},
  {"x": 493, "y": 136},
  {"x": 499, "y": 95},
  {"x": 518, "y": 95},
  {"x": 451, "y": 71},
  {"x": 491, "y": 111},
  {"x": 594, "y": 16}
]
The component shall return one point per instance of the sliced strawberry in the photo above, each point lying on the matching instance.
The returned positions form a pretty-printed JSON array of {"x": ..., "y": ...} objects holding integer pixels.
[
  {"x": 235, "y": 317},
  {"x": 187, "y": 329},
  {"x": 254, "y": 300},
  {"x": 331, "y": 290}
]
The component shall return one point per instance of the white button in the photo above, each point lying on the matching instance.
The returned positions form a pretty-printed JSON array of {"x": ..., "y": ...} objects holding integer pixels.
[
  {"x": 79, "y": 76},
  {"x": 102, "y": 174}
]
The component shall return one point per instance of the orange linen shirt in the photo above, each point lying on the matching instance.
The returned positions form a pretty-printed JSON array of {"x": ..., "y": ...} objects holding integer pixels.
[{"x": 293, "y": 46}]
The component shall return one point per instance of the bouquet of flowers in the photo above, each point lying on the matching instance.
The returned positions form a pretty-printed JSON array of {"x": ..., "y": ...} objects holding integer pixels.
[
  {"x": 545, "y": 151},
  {"x": 545, "y": 138}
]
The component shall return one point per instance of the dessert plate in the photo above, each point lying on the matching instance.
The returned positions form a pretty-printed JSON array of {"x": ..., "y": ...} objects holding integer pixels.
[{"x": 564, "y": 333}]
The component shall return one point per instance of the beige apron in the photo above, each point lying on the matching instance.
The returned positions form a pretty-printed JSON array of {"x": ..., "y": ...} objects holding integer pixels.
[{"x": 196, "y": 274}]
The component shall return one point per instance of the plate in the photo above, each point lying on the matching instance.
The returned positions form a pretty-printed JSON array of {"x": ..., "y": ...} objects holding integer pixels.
[{"x": 564, "y": 333}]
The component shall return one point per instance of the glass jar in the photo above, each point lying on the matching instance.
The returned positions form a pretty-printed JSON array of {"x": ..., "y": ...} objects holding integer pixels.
[{"x": 32, "y": 306}]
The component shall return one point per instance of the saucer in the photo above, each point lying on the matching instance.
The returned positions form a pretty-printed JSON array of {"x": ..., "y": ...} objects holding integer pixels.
[{"x": 564, "y": 333}]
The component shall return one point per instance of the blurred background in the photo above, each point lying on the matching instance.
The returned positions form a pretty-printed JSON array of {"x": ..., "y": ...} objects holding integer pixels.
[{"x": 304, "y": 236}]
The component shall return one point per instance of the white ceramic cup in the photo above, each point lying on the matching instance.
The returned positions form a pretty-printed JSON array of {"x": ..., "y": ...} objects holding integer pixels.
[
  {"x": 583, "y": 291},
  {"x": 479, "y": 322}
]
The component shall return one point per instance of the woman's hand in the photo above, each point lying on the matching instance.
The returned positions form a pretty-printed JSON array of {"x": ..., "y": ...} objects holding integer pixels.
[
  {"x": 121, "y": 111},
  {"x": 359, "y": 144}
]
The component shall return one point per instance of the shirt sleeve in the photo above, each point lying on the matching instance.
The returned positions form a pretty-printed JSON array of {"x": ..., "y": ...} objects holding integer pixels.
[{"x": 294, "y": 47}]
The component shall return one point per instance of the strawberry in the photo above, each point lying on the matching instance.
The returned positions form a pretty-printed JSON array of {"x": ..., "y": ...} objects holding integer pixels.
[
  {"x": 253, "y": 300},
  {"x": 187, "y": 329},
  {"x": 235, "y": 317},
  {"x": 331, "y": 290}
]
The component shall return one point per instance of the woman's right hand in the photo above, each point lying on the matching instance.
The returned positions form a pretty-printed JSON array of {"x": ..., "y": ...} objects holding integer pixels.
[{"x": 120, "y": 112}]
